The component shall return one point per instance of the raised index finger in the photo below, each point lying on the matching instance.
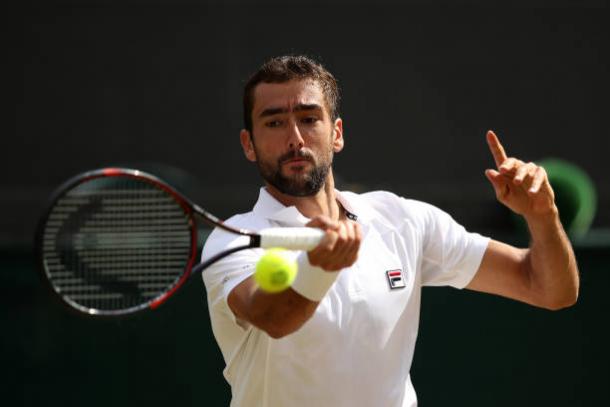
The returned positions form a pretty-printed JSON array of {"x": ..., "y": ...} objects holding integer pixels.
[{"x": 496, "y": 148}]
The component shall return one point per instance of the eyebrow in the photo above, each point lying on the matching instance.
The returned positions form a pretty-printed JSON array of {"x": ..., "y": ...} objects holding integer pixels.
[{"x": 298, "y": 108}]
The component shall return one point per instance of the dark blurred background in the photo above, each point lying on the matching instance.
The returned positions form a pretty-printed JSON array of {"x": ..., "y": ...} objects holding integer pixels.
[{"x": 157, "y": 85}]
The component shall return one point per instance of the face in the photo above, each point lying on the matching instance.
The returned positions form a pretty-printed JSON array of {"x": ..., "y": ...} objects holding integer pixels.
[{"x": 293, "y": 137}]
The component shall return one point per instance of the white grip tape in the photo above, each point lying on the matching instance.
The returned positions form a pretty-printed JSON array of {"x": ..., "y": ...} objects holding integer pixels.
[
  {"x": 312, "y": 282},
  {"x": 291, "y": 238}
]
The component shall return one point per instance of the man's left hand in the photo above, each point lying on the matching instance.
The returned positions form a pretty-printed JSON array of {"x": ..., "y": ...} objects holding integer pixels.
[{"x": 523, "y": 187}]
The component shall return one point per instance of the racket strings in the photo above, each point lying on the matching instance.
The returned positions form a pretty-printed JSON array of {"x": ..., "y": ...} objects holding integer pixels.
[{"x": 116, "y": 243}]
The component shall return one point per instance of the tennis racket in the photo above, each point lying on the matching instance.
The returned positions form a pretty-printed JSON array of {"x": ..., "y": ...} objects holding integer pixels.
[{"x": 117, "y": 241}]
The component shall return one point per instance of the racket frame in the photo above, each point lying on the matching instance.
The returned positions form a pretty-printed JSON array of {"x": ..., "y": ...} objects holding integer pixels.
[{"x": 190, "y": 209}]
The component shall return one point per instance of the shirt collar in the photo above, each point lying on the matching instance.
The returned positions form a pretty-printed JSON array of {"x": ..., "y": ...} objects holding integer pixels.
[{"x": 270, "y": 208}]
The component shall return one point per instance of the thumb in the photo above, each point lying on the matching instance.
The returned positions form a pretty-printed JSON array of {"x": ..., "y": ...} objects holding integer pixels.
[{"x": 498, "y": 182}]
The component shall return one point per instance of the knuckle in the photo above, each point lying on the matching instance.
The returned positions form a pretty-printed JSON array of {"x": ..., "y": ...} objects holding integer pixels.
[
  {"x": 317, "y": 221},
  {"x": 353, "y": 229},
  {"x": 311, "y": 223},
  {"x": 318, "y": 218},
  {"x": 328, "y": 242}
]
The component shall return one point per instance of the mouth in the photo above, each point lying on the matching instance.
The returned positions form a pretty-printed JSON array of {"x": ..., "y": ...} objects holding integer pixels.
[{"x": 296, "y": 161}]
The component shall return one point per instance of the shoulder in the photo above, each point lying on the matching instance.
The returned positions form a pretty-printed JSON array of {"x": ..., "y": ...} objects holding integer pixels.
[
  {"x": 392, "y": 208},
  {"x": 230, "y": 270}
]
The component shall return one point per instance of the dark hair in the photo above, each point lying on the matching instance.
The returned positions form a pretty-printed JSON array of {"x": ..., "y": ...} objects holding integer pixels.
[{"x": 286, "y": 68}]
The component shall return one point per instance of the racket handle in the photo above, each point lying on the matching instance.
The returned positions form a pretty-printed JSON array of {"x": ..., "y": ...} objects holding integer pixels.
[{"x": 291, "y": 238}]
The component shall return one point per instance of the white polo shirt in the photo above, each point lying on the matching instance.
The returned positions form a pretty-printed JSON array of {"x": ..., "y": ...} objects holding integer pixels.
[{"x": 357, "y": 348}]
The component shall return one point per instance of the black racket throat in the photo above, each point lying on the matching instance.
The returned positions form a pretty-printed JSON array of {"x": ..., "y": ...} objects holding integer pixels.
[{"x": 208, "y": 262}]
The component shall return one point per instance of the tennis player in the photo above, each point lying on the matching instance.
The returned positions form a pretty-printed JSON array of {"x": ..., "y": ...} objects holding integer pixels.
[{"x": 344, "y": 333}]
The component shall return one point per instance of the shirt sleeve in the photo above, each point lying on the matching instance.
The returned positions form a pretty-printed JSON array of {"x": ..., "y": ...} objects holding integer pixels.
[
  {"x": 223, "y": 276},
  {"x": 450, "y": 255}
]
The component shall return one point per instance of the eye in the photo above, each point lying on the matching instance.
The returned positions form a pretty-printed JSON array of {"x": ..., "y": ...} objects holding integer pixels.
[
  {"x": 273, "y": 123},
  {"x": 309, "y": 119}
]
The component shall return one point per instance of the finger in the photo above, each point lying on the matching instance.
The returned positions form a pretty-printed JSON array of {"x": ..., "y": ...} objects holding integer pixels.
[
  {"x": 539, "y": 178},
  {"x": 499, "y": 183},
  {"x": 327, "y": 242},
  {"x": 324, "y": 255},
  {"x": 345, "y": 251},
  {"x": 318, "y": 256},
  {"x": 355, "y": 243},
  {"x": 347, "y": 246},
  {"x": 349, "y": 254},
  {"x": 323, "y": 222},
  {"x": 527, "y": 181},
  {"x": 496, "y": 148},
  {"x": 336, "y": 260},
  {"x": 357, "y": 234},
  {"x": 509, "y": 166},
  {"x": 524, "y": 171},
  {"x": 342, "y": 239}
]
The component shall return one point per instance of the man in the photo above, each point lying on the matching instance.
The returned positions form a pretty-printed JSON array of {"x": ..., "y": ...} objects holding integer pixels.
[{"x": 344, "y": 333}]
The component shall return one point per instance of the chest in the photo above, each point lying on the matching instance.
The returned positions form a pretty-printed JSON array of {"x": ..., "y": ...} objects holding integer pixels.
[
  {"x": 377, "y": 296},
  {"x": 386, "y": 268}
]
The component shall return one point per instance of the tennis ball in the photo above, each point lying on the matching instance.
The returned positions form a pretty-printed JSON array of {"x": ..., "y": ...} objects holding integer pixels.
[{"x": 275, "y": 271}]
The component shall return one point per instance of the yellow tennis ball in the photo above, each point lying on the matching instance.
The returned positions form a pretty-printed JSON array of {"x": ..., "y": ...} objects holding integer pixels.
[{"x": 275, "y": 271}]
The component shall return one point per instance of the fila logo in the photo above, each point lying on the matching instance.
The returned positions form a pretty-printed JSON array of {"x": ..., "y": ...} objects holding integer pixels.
[{"x": 395, "y": 279}]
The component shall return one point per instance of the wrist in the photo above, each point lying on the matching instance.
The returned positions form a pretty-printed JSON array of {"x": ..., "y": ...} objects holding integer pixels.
[
  {"x": 312, "y": 282},
  {"x": 541, "y": 219}
]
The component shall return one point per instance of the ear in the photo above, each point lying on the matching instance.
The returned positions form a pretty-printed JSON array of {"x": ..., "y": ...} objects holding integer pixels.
[
  {"x": 245, "y": 138},
  {"x": 338, "y": 135}
]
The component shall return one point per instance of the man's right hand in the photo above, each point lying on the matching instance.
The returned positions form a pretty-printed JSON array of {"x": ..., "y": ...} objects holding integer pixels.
[
  {"x": 340, "y": 245},
  {"x": 283, "y": 313}
]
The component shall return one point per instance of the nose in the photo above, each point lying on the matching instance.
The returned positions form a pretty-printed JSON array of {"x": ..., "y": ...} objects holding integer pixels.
[{"x": 295, "y": 138}]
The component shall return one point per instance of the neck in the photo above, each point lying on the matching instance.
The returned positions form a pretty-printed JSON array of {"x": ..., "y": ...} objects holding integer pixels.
[{"x": 324, "y": 202}]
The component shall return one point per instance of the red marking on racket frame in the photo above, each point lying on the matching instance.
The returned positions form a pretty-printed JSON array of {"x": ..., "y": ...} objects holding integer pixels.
[
  {"x": 185, "y": 276},
  {"x": 189, "y": 266},
  {"x": 113, "y": 172}
]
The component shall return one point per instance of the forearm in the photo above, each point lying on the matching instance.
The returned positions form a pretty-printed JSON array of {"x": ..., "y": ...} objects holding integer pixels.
[
  {"x": 277, "y": 314},
  {"x": 550, "y": 263}
]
